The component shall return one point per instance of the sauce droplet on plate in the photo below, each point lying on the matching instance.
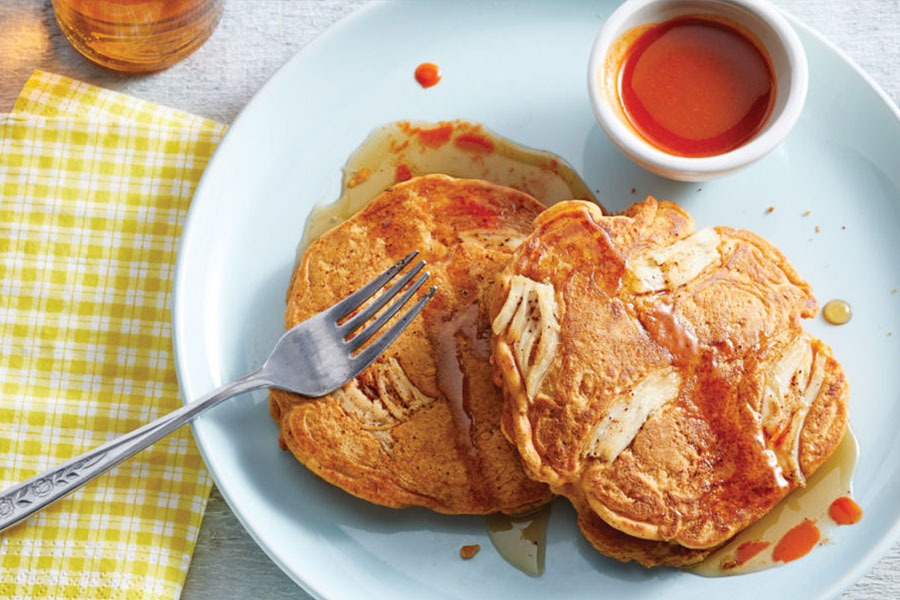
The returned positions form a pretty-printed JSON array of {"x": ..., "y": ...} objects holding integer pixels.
[
  {"x": 696, "y": 86},
  {"x": 402, "y": 173},
  {"x": 797, "y": 542},
  {"x": 745, "y": 552},
  {"x": 845, "y": 511},
  {"x": 748, "y": 550},
  {"x": 475, "y": 142},
  {"x": 428, "y": 74},
  {"x": 837, "y": 312}
]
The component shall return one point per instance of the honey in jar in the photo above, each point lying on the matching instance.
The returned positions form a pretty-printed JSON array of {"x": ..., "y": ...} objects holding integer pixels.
[{"x": 137, "y": 35}]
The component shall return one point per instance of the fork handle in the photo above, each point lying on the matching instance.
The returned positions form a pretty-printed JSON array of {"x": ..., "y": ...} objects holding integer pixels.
[{"x": 33, "y": 495}]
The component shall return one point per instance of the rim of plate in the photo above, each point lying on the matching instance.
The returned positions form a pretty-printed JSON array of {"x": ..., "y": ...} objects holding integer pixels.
[
  {"x": 179, "y": 327},
  {"x": 178, "y": 310},
  {"x": 891, "y": 534}
]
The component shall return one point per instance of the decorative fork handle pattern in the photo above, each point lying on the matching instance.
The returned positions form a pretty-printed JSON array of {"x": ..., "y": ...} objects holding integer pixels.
[{"x": 32, "y": 495}]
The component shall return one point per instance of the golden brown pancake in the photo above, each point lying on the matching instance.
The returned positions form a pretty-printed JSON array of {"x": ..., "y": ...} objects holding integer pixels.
[
  {"x": 421, "y": 426},
  {"x": 623, "y": 547},
  {"x": 659, "y": 376}
]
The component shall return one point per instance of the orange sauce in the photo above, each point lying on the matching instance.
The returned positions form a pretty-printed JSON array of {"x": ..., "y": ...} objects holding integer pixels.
[
  {"x": 845, "y": 511},
  {"x": 402, "y": 173},
  {"x": 359, "y": 177},
  {"x": 434, "y": 136},
  {"x": 794, "y": 525},
  {"x": 474, "y": 142},
  {"x": 428, "y": 74},
  {"x": 694, "y": 86},
  {"x": 797, "y": 542},
  {"x": 748, "y": 550}
]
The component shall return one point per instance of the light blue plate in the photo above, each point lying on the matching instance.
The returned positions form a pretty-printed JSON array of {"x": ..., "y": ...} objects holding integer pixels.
[{"x": 519, "y": 68}]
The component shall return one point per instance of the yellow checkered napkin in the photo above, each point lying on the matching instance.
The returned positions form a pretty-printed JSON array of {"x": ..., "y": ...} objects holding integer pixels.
[{"x": 94, "y": 187}]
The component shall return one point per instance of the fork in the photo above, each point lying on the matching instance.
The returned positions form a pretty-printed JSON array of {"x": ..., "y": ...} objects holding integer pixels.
[{"x": 312, "y": 359}]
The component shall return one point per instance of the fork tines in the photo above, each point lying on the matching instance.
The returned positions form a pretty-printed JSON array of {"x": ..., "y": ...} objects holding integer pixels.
[{"x": 402, "y": 288}]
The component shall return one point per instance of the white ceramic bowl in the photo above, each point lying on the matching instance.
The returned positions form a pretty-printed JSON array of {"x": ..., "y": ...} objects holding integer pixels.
[{"x": 757, "y": 16}]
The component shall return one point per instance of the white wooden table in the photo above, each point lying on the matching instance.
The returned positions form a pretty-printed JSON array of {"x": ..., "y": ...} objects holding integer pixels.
[{"x": 255, "y": 38}]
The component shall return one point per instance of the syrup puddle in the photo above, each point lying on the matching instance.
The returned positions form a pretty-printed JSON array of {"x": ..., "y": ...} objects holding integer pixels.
[
  {"x": 666, "y": 327},
  {"x": 832, "y": 481},
  {"x": 522, "y": 540},
  {"x": 451, "y": 379},
  {"x": 837, "y": 312},
  {"x": 402, "y": 150}
]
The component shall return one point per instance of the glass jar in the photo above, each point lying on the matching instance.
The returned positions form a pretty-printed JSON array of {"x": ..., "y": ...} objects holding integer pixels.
[{"x": 137, "y": 35}]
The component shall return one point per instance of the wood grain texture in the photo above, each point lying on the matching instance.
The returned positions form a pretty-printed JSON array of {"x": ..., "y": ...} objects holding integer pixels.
[
  {"x": 253, "y": 40},
  {"x": 228, "y": 564}
]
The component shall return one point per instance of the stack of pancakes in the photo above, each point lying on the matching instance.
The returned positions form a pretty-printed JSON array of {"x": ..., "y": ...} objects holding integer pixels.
[{"x": 655, "y": 375}]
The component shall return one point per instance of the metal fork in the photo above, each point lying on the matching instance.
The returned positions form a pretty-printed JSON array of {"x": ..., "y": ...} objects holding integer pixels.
[{"x": 314, "y": 358}]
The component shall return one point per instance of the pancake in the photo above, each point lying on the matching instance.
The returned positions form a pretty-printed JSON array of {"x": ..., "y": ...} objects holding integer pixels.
[
  {"x": 421, "y": 425},
  {"x": 623, "y": 547},
  {"x": 658, "y": 376}
]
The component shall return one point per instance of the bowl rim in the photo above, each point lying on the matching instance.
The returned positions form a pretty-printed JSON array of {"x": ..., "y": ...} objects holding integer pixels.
[{"x": 651, "y": 157}]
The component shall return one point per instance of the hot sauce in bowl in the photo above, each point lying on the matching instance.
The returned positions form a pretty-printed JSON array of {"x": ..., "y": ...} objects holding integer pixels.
[
  {"x": 695, "y": 86},
  {"x": 696, "y": 89}
]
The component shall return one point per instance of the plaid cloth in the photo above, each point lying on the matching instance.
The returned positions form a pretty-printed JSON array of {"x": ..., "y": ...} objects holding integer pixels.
[{"x": 94, "y": 187}]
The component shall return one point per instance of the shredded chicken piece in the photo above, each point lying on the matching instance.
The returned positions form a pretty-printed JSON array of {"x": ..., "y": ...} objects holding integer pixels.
[
  {"x": 628, "y": 413},
  {"x": 530, "y": 313},
  {"x": 675, "y": 265},
  {"x": 395, "y": 401},
  {"x": 791, "y": 388}
]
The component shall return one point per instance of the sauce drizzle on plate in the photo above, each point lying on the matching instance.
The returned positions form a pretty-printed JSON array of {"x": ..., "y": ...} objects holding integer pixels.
[
  {"x": 428, "y": 74},
  {"x": 797, "y": 542},
  {"x": 399, "y": 151},
  {"x": 796, "y": 525},
  {"x": 845, "y": 511}
]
